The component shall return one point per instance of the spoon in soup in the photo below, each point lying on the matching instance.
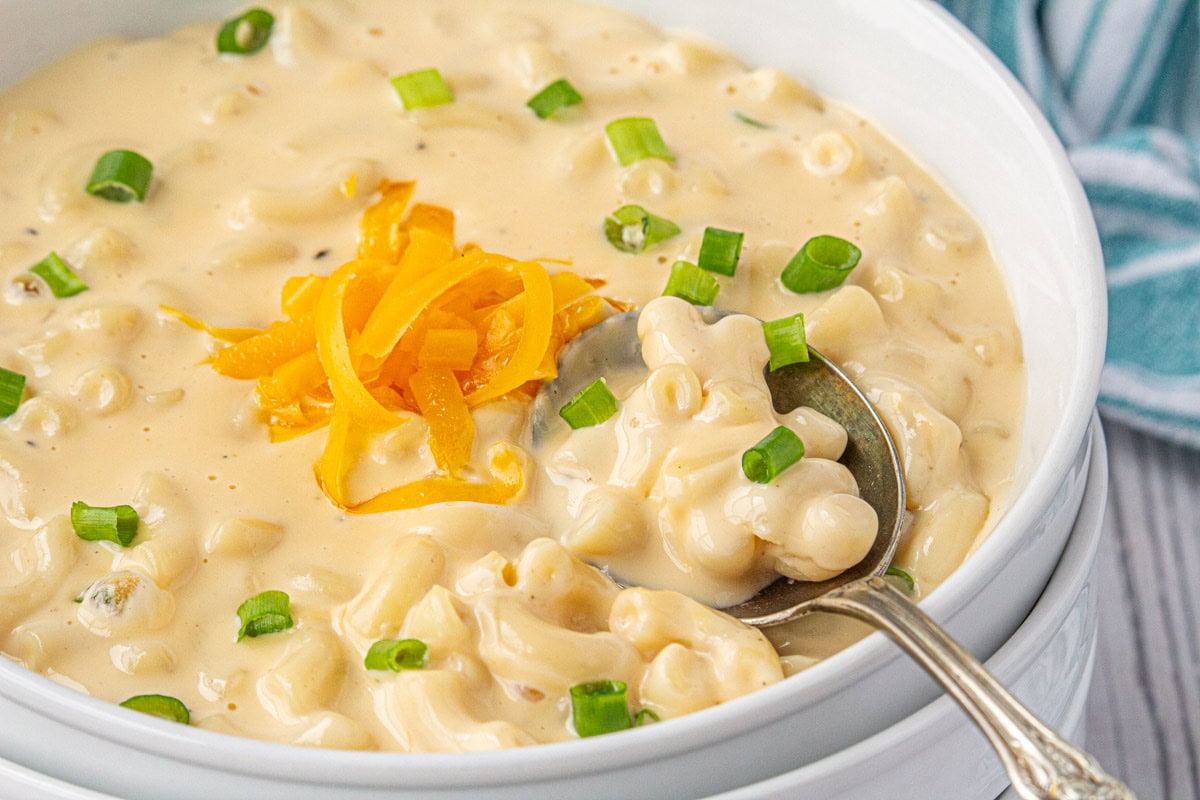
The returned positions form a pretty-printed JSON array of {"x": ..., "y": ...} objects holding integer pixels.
[{"x": 1040, "y": 764}]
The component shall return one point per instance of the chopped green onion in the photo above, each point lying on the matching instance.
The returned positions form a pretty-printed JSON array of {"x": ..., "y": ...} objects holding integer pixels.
[
  {"x": 599, "y": 707},
  {"x": 823, "y": 263},
  {"x": 117, "y": 524},
  {"x": 247, "y": 33},
  {"x": 754, "y": 123},
  {"x": 397, "y": 655},
  {"x": 645, "y": 717},
  {"x": 720, "y": 251},
  {"x": 160, "y": 705},
  {"x": 12, "y": 386},
  {"x": 636, "y": 138},
  {"x": 631, "y": 229},
  {"x": 905, "y": 577},
  {"x": 61, "y": 279},
  {"x": 267, "y": 612},
  {"x": 692, "y": 284},
  {"x": 590, "y": 406},
  {"x": 424, "y": 88},
  {"x": 777, "y": 451},
  {"x": 121, "y": 176},
  {"x": 559, "y": 94},
  {"x": 786, "y": 341}
]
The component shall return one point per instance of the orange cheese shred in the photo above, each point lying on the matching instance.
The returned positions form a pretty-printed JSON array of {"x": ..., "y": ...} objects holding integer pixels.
[
  {"x": 534, "y": 336},
  {"x": 434, "y": 219},
  {"x": 383, "y": 236},
  {"x": 425, "y": 265},
  {"x": 300, "y": 294},
  {"x": 220, "y": 334},
  {"x": 290, "y": 381},
  {"x": 451, "y": 428},
  {"x": 263, "y": 352},
  {"x": 453, "y": 348},
  {"x": 413, "y": 325},
  {"x": 505, "y": 464},
  {"x": 333, "y": 348}
]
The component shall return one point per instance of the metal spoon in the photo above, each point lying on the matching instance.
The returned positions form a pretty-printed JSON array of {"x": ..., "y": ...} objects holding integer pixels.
[{"x": 1040, "y": 764}]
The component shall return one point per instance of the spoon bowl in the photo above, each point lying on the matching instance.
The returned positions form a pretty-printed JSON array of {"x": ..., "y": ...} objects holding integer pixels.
[
  {"x": 1040, "y": 764},
  {"x": 872, "y": 459},
  {"x": 612, "y": 348}
]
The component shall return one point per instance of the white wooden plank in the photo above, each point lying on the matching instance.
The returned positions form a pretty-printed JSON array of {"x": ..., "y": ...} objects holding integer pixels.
[{"x": 1144, "y": 708}]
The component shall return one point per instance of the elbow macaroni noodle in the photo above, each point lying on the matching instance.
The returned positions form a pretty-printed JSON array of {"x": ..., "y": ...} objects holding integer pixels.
[
  {"x": 262, "y": 166},
  {"x": 677, "y": 441}
]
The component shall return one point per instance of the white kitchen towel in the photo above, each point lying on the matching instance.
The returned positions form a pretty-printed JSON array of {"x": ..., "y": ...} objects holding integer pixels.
[{"x": 1120, "y": 82}]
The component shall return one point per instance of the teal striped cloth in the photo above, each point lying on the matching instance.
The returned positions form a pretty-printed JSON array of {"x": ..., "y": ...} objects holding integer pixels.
[{"x": 1120, "y": 82}]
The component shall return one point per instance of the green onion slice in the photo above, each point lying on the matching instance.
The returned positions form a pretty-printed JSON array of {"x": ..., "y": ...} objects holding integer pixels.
[
  {"x": 720, "y": 251},
  {"x": 160, "y": 705},
  {"x": 559, "y": 94},
  {"x": 246, "y": 33},
  {"x": 777, "y": 451},
  {"x": 267, "y": 612},
  {"x": 117, "y": 524},
  {"x": 786, "y": 341},
  {"x": 823, "y": 263},
  {"x": 121, "y": 176},
  {"x": 645, "y": 717},
  {"x": 905, "y": 577},
  {"x": 692, "y": 284},
  {"x": 599, "y": 707},
  {"x": 424, "y": 88},
  {"x": 61, "y": 279},
  {"x": 631, "y": 229},
  {"x": 397, "y": 655},
  {"x": 590, "y": 406},
  {"x": 12, "y": 386},
  {"x": 751, "y": 121},
  {"x": 636, "y": 138}
]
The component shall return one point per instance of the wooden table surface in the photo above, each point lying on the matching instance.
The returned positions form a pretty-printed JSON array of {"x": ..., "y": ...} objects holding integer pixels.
[{"x": 1143, "y": 716}]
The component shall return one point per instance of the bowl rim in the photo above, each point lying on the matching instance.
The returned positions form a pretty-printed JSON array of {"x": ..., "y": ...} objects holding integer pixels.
[{"x": 831, "y": 675}]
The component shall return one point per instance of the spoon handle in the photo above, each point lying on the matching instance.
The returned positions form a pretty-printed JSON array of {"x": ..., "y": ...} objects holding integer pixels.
[{"x": 1040, "y": 764}]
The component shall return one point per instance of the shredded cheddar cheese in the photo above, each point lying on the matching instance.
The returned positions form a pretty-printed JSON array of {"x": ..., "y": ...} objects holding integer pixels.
[{"x": 414, "y": 325}]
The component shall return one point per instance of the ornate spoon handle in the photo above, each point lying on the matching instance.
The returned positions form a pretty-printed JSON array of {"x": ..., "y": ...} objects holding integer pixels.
[{"x": 1039, "y": 762}]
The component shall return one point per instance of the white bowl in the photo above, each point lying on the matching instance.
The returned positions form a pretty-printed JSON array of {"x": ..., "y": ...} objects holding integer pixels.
[{"x": 920, "y": 76}]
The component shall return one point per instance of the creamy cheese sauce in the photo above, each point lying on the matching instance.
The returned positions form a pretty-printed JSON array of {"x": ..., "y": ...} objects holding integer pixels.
[{"x": 251, "y": 159}]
